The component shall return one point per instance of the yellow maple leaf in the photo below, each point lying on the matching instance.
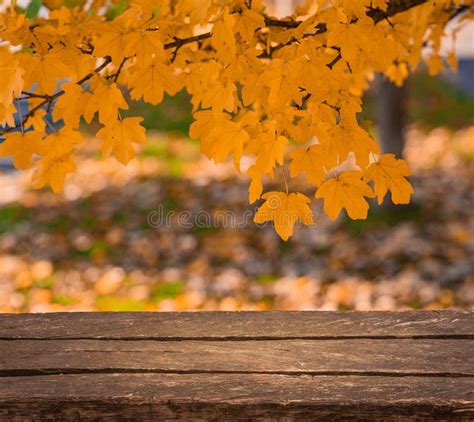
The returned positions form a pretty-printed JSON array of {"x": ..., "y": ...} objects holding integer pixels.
[
  {"x": 111, "y": 40},
  {"x": 220, "y": 96},
  {"x": 226, "y": 138},
  {"x": 119, "y": 137},
  {"x": 52, "y": 170},
  {"x": 151, "y": 80},
  {"x": 380, "y": 4},
  {"x": 255, "y": 81},
  {"x": 282, "y": 77},
  {"x": 7, "y": 114},
  {"x": 354, "y": 8},
  {"x": 145, "y": 45},
  {"x": 310, "y": 161},
  {"x": 323, "y": 118},
  {"x": 37, "y": 121},
  {"x": 252, "y": 88},
  {"x": 345, "y": 191},
  {"x": 389, "y": 174},
  {"x": 45, "y": 70},
  {"x": 109, "y": 100},
  {"x": 256, "y": 186},
  {"x": 11, "y": 81},
  {"x": 223, "y": 38},
  {"x": 58, "y": 159},
  {"x": 204, "y": 122},
  {"x": 247, "y": 22},
  {"x": 16, "y": 28},
  {"x": 197, "y": 9},
  {"x": 78, "y": 64},
  {"x": 63, "y": 142},
  {"x": 74, "y": 103},
  {"x": 350, "y": 37},
  {"x": 22, "y": 146},
  {"x": 201, "y": 77},
  {"x": 346, "y": 138},
  {"x": 285, "y": 210},
  {"x": 452, "y": 61},
  {"x": 397, "y": 73},
  {"x": 269, "y": 150},
  {"x": 435, "y": 64}
]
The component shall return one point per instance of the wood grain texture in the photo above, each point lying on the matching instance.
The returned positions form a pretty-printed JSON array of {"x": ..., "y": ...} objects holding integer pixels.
[
  {"x": 395, "y": 357},
  {"x": 238, "y": 366},
  {"x": 234, "y": 397},
  {"x": 238, "y": 325}
]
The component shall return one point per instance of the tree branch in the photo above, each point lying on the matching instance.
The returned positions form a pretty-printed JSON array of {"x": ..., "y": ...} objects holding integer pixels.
[
  {"x": 179, "y": 42},
  {"x": 281, "y": 23},
  {"x": 48, "y": 99},
  {"x": 394, "y": 7},
  {"x": 116, "y": 75}
]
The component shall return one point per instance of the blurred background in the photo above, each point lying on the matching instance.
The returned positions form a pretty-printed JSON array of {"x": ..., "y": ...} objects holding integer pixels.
[{"x": 93, "y": 248}]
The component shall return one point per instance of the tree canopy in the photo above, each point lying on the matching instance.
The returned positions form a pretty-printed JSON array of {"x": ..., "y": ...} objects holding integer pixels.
[{"x": 284, "y": 92}]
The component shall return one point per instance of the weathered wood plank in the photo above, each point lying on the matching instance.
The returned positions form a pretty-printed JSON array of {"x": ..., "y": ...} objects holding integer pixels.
[
  {"x": 355, "y": 356},
  {"x": 210, "y": 325},
  {"x": 238, "y": 366},
  {"x": 234, "y": 397}
]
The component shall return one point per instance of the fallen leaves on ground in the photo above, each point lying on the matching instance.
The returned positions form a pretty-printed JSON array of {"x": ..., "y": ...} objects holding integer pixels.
[{"x": 137, "y": 238}]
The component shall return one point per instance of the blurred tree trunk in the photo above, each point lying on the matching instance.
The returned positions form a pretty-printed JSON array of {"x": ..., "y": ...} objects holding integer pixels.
[
  {"x": 390, "y": 118},
  {"x": 390, "y": 115}
]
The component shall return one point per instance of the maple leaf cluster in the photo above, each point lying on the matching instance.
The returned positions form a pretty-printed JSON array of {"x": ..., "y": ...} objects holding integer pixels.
[{"x": 285, "y": 92}]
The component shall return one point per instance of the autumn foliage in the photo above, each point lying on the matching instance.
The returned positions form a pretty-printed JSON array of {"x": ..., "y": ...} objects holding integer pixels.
[{"x": 285, "y": 92}]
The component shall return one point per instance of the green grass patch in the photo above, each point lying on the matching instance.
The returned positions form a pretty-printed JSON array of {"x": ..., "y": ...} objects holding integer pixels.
[
  {"x": 115, "y": 10},
  {"x": 119, "y": 304},
  {"x": 380, "y": 217},
  {"x": 468, "y": 155},
  {"x": 171, "y": 203},
  {"x": 174, "y": 114},
  {"x": 11, "y": 215},
  {"x": 120, "y": 217},
  {"x": 85, "y": 204},
  {"x": 88, "y": 222},
  {"x": 285, "y": 247},
  {"x": 167, "y": 290},
  {"x": 98, "y": 248},
  {"x": 431, "y": 102},
  {"x": 266, "y": 278},
  {"x": 175, "y": 167},
  {"x": 321, "y": 250},
  {"x": 64, "y": 300},
  {"x": 414, "y": 303},
  {"x": 45, "y": 283},
  {"x": 61, "y": 223},
  {"x": 155, "y": 149},
  {"x": 203, "y": 231},
  {"x": 436, "y": 102},
  {"x": 343, "y": 307}
]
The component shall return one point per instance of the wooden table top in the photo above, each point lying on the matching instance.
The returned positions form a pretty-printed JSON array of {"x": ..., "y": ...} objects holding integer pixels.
[{"x": 238, "y": 365}]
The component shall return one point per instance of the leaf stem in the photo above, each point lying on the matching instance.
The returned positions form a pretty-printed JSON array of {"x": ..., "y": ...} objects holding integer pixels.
[
  {"x": 53, "y": 129},
  {"x": 284, "y": 178},
  {"x": 22, "y": 129}
]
